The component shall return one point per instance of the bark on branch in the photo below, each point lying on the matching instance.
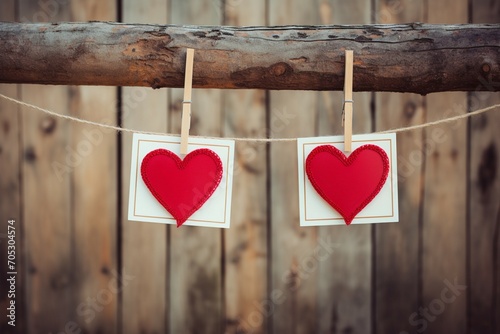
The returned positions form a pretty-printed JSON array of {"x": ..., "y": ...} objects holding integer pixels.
[{"x": 418, "y": 58}]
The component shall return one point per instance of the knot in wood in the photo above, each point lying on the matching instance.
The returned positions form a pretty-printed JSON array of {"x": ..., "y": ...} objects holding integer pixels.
[
  {"x": 487, "y": 171},
  {"x": 48, "y": 125},
  {"x": 410, "y": 109},
  {"x": 280, "y": 69},
  {"x": 29, "y": 154}
]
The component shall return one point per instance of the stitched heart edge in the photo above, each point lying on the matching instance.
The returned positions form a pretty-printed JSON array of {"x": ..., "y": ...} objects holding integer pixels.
[
  {"x": 347, "y": 161},
  {"x": 181, "y": 164}
]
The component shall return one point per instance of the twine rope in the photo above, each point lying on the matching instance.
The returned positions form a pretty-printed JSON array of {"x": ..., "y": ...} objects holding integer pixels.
[{"x": 240, "y": 139}]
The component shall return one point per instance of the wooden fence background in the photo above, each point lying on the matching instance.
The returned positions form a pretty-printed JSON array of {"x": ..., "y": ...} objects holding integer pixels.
[{"x": 83, "y": 268}]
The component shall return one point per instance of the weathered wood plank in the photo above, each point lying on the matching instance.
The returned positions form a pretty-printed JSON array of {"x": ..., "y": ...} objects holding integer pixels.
[
  {"x": 396, "y": 290},
  {"x": 292, "y": 281},
  {"x": 48, "y": 211},
  {"x": 398, "y": 58},
  {"x": 397, "y": 245},
  {"x": 10, "y": 206},
  {"x": 94, "y": 194},
  {"x": 444, "y": 217},
  {"x": 484, "y": 198},
  {"x": 344, "y": 301},
  {"x": 195, "y": 259},
  {"x": 444, "y": 245},
  {"x": 10, "y": 193},
  {"x": 47, "y": 202},
  {"x": 246, "y": 306},
  {"x": 294, "y": 270},
  {"x": 145, "y": 249}
]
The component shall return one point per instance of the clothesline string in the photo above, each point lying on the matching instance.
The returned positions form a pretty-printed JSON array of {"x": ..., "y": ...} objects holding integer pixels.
[{"x": 255, "y": 140}]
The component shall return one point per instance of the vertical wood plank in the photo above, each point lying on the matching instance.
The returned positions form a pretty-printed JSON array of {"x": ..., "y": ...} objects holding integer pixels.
[
  {"x": 145, "y": 249},
  {"x": 484, "y": 195},
  {"x": 397, "y": 245},
  {"x": 94, "y": 196},
  {"x": 484, "y": 208},
  {"x": 195, "y": 258},
  {"x": 47, "y": 210},
  {"x": 10, "y": 192},
  {"x": 292, "y": 114},
  {"x": 10, "y": 205},
  {"x": 246, "y": 306},
  {"x": 445, "y": 196},
  {"x": 396, "y": 259},
  {"x": 344, "y": 301},
  {"x": 47, "y": 167}
]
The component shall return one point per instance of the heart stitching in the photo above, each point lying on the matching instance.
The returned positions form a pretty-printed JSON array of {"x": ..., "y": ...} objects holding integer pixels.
[
  {"x": 335, "y": 197},
  {"x": 154, "y": 178}
]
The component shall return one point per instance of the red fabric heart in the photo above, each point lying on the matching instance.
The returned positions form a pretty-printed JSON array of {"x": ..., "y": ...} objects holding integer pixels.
[
  {"x": 348, "y": 184},
  {"x": 182, "y": 186}
]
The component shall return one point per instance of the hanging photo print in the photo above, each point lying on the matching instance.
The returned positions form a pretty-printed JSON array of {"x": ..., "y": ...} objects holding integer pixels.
[
  {"x": 338, "y": 188},
  {"x": 191, "y": 190}
]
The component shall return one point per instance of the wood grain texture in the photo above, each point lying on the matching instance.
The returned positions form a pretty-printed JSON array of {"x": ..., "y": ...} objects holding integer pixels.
[
  {"x": 294, "y": 269},
  {"x": 48, "y": 211},
  {"x": 10, "y": 206},
  {"x": 47, "y": 168},
  {"x": 444, "y": 246},
  {"x": 484, "y": 198},
  {"x": 246, "y": 304},
  {"x": 144, "y": 246},
  {"x": 94, "y": 207},
  {"x": 344, "y": 301},
  {"x": 212, "y": 281},
  {"x": 396, "y": 266},
  {"x": 196, "y": 252},
  {"x": 398, "y": 58},
  {"x": 10, "y": 192}
]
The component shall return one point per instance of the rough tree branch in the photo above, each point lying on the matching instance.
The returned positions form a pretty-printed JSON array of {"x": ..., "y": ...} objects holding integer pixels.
[{"x": 417, "y": 58}]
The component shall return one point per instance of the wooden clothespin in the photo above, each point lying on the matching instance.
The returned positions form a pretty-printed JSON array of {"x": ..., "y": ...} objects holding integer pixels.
[
  {"x": 186, "y": 103},
  {"x": 348, "y": 102}
]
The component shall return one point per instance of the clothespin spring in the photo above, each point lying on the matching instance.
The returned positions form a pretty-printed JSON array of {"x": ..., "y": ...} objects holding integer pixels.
[{"x": 343, "y": 110}]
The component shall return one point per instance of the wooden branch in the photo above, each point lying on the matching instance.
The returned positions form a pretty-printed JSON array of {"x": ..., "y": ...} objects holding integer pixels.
[{"x": 418, "y": 58}]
